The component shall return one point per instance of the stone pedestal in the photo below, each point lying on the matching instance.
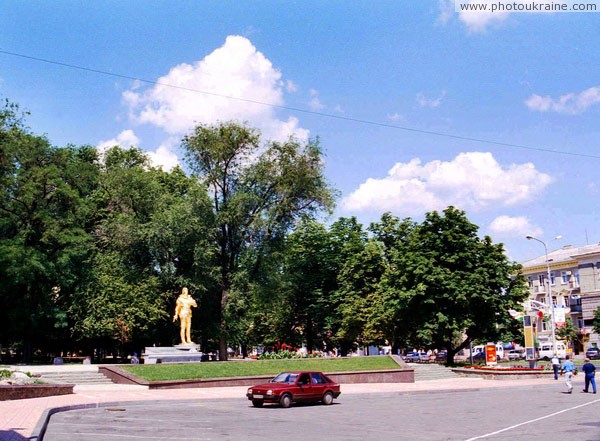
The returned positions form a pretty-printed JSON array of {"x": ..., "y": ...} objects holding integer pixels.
[{"x": 173, "y": 354}]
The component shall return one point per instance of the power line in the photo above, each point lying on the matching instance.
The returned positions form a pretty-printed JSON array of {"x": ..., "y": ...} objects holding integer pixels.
[{"x": 296, "y": 109}]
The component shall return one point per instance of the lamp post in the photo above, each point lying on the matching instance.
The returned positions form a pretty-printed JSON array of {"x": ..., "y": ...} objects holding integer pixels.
[{"x": 553, "y": 324}]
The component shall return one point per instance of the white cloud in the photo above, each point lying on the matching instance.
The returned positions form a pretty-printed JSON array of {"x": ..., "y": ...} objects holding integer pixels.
[
  {"x": 478, "y": 15},
  {"x": 290, "y": 86},
  {"x": 163, "y": 156},
  {"x": 472, "y": 180},
  {"x": 430, "y": 102},
  {"x": 125, "y": 139},
  {"x": 396, "y": 117},
  {"x": 478, "y": 21},
  {"x": 509, "y": 226},
  {"x": 315, "y": 102},
  {"x": 571, "y": 103},
  {"x": 446, "y": 11},
  {"x": 235, "y": 79}
]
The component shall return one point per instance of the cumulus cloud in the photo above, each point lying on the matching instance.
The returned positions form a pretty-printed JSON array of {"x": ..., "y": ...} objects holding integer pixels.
[
  {"x": 479, "y": 15},
  {"x": 162, "y": 157},
  {"x": 127, "y": 138},
  {"x": 472, "y": 180},
  {"x": 571, "y": 103},
  {"x": 479, "y": 21},
  {"x": 231, "y": 83},
  {"x": 509, "y": 226},
  {"x": 430, "y": 102}
]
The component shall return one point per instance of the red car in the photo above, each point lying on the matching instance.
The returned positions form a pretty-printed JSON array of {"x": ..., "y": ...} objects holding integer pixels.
[{"x": 289, "y": 387}]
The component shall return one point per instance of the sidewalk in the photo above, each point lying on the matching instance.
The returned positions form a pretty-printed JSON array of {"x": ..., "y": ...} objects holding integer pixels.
[{"x": 23, "y": 419}]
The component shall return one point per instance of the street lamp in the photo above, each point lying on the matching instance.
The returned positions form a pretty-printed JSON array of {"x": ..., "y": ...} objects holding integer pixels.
[{"x": 553, "y": 325}]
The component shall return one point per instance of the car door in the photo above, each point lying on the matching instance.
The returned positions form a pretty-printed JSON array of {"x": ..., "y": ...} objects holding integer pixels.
[
  {"x": 318, "y": 386},
  {"x": 304, "y": 389}
]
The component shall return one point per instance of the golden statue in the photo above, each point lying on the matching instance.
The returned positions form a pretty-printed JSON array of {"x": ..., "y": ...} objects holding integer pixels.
[{"x": 183, "y": 311}]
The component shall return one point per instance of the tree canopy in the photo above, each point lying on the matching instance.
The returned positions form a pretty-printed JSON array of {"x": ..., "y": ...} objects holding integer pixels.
[{"x": 94, "y": 249}]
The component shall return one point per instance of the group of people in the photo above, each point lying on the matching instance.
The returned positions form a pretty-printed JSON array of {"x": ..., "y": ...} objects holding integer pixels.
[{"x": 568, "y": 369}]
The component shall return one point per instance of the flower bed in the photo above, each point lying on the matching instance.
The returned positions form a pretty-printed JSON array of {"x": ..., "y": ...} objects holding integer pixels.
[
  {"x": 506, "y": 369},
  {"x": 503, "y": 373}
]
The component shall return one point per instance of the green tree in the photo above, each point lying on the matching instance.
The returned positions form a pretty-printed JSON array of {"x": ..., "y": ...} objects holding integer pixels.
[
  {"x": 451, "y": 286},
  {"x": 150, "y": 239},
  {"x": 256, "y": 194},
  {"x": 44, "y": 231},
  {"x": 568, "y": 333},
  {"x": 596, "y": 321}
]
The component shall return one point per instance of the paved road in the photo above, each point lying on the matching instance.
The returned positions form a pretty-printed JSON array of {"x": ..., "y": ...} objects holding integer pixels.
[{"x": 524, "y": 413}]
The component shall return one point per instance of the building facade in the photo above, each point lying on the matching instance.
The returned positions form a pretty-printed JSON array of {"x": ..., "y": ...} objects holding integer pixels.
[{"x": 575, "y": 291}]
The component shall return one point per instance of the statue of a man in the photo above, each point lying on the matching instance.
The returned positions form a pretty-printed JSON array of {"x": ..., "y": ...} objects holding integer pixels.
[{"x": 183, "y": 311}]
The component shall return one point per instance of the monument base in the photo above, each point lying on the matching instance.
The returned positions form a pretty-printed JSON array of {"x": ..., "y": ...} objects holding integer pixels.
[{"x": 188, "y": 353}]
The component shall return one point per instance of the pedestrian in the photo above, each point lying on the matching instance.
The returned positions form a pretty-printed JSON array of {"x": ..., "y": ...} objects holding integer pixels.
[
  {"x": 590, "y": 374},
  {"x": 567, "y": 368},
  {"x": 555, "y": 366}
]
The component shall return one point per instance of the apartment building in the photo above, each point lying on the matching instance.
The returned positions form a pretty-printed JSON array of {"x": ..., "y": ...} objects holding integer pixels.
[{"x": 575, "y": 288}]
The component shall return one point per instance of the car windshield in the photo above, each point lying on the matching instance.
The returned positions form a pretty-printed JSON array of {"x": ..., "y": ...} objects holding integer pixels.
[{"x": 285, "y": 377}]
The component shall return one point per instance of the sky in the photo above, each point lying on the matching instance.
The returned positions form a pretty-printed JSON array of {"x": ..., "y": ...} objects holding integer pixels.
[{"x": 416, "y": 106}]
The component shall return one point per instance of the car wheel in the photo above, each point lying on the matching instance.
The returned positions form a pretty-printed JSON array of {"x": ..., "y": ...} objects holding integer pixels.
[
  {"x": 327, "y": 398},
  {"x": 285, "y": 401},
  {"x": 257, "y": 403}
]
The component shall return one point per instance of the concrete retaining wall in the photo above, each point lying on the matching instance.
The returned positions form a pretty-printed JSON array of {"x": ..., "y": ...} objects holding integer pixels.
[
  {"x": 121, "y": 376},
  {"x": 22, "y": 391},
  {"x": 503, "y": 374}
]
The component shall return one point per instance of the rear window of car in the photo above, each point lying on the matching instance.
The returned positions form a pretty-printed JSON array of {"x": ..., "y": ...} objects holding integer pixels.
[{"x": 317, "y": 379}]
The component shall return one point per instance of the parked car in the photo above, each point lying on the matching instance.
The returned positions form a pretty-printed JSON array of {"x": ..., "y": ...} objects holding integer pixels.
[
  {"x": 415, "y": 357},
  {"x": 516, "y": 354},
  {"x": 593, "y": 353},
  {"x": 290, "y": 387},
  {"x": 479, "y": 356}
]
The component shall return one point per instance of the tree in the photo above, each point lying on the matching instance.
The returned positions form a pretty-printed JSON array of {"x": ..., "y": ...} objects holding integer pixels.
[
  {"x": 44, "y": 235},
  {"x": 149, "y": 241},
  {"x": 256, "y": 195},
  {"x": 450, "y": 286},
  {"x": 568, "y": 333},
  {"x": 596, "y": 321}
]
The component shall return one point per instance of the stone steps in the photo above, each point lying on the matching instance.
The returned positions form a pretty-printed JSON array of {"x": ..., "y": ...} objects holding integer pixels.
[
  {"x": 87, "y": 378},
  {"x": 431, "y": 371}
]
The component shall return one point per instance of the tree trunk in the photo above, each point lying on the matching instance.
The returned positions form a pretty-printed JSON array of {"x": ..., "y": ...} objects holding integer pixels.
[{"x": 223, "y": 356}]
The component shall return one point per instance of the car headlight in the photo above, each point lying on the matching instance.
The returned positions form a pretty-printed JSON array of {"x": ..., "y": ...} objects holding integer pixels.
[
  {"x": 269, "y": 392},
  {"x": 249, "y": 391}
]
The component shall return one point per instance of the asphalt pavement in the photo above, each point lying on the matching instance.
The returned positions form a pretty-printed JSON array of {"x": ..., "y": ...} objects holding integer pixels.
[{"x": 449, "y": 409}]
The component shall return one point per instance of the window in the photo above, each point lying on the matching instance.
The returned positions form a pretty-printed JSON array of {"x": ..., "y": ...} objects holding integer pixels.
[
  {"x": 552, "y": 278},
  {"x": 530, "y": 281},
  {"x": 567, "y": 301},
  {"x": 554, "y": 301},
  {"x": 580, "y": 323},
  {"x": 542, "y": 279},
  {"x": 565, "y": 275},
  {"x": 576, "y": 277},
  {"x": 317, "y": 379},
  {"x": 304, "y": 379}
]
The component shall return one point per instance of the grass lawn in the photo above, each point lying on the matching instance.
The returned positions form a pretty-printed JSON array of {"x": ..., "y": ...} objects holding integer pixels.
[{"x": 184, "y": 371}]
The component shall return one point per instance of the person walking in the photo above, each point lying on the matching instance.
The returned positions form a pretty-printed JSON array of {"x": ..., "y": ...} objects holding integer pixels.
[
  {"x": 567, "y": 368},
  {"x": 555, "y": 366},
  {"x": 590, "y": 374}
]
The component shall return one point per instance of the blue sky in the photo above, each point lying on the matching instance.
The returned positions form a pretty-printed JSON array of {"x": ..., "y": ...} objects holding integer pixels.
[{"x": 397, "y": 92}]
